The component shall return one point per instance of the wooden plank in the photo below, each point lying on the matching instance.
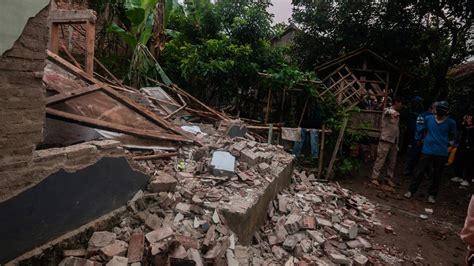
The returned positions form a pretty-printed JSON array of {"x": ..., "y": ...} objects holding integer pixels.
[
  {"x": 178, "y": 90},
  {"x": 334, "y": 72},
  {"x": 334, "y": 84},
  {"x": 155, "y": 156},
  {"x": 321, "y": 151},
  {"x": 304, "y": 110},
  {"x": 70, "y": 56},
  {"x": 90, "y": 40},
  {"x": 54, "y": 38},
  {"x": 344, "y": 88},
  {"x": 329, "y": 172},
  {"x": 340, "y": 59},
  {"x": 148, "y": 114},
  {"x": 269, "y": 103},
  {"x": 354, "y": 77},
  {"x": 72, "y": 94},
  {"x": 100, "y": 124}
]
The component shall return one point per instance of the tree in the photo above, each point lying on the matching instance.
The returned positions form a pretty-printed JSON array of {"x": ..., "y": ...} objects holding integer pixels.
[
  {"x": 220, "y": 48},
  {"x": 423, "y": 37}
]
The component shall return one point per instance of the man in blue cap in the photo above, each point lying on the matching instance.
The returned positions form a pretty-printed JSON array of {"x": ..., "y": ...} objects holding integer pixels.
[
  {"x": 439, "y": 129},
  {"x": 415, "y": 151}
]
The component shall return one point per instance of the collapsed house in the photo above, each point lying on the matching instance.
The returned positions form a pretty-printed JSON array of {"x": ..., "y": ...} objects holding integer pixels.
[{"x": 95, "y": 172}]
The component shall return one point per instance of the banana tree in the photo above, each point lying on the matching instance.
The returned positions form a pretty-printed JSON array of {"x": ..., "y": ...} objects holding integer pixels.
[{"x": 141, "y": 14}]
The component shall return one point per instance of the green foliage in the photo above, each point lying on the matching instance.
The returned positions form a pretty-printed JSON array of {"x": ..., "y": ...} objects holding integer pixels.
[
  {"x": 140, "y": 14},
  {"x": 423, "y": 37},
  {"x": 219, "y": 49},
  {"x": 346, "y": 165}
]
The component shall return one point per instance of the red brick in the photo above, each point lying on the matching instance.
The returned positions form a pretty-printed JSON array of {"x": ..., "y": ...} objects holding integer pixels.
[{"x": 136, "y": 247}]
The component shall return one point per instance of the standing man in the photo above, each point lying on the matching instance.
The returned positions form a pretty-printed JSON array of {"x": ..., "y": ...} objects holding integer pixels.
[
  {"x": 439, "y": 129},
  {"x": 388, "y": 144},
  {"x": 464, "y": 158},
  {"x": 415, "y": 151}
]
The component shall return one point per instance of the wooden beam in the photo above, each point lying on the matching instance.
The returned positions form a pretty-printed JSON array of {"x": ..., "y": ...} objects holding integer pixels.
[
  {"x": 72, "y": 94},
  {"x": 54, "y": 38},
  {"x": 90, "y": 41},
  {"x": 155, "y": 156},
  {"x": 269, "y": 103},
  {"x": 70, "y": 56},
  {"x": 329, "y": 172},
  {"x": 148, "y": 114},
  {"x": 100, "y": 124},
  {"x": 178, "y": 90},
  {"x": 334, "y": 84},
  {"x": 304, "y": 110},
  {"x": 334, "y": 72},
  {"x": 321, "y": 151}
]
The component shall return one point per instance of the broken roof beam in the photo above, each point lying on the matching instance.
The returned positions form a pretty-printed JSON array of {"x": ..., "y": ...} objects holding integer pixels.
[
  {"x": 100, "y": 124},
  {"x": 178, "y": 90},
  {"x": 123, "y": 99},
  {"x": 71, "y": 94}
]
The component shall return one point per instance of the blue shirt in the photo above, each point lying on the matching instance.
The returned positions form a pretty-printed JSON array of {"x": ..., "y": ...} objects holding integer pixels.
[{"x": 437, "y": 137}]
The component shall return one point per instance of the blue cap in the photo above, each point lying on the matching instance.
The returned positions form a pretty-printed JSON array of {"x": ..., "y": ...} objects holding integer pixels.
[{"x": 443, "y": 105}]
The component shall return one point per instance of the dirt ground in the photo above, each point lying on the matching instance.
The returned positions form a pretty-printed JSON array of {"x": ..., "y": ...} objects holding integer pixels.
[{"x": 434, "y": 241}]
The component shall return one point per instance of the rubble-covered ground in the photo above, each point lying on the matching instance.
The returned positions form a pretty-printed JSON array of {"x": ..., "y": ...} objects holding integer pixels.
[
  {"x": 179, "y": 220},
  {"x": 432, "y": 241}
]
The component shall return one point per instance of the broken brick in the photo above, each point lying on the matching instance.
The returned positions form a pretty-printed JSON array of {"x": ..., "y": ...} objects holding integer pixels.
[
  {"x": 308, "y": 222},
  {"x": 188, "y": 242},
  {"x": 162, "y": 182},
  {"x": 100, "y": 240},
  {"x": 118, "y": 261},
  {"x": 136, "y": 247},
  {"x": 117, "y": 248},
  {"x": 159, "y": 234},
  {"x": 292, "y": 224}
]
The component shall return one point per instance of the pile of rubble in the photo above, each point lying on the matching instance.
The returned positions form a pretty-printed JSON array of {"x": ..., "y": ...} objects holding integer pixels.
[
  {"x": 319, "y": 223},
  {"x": 207, "y": 207}
]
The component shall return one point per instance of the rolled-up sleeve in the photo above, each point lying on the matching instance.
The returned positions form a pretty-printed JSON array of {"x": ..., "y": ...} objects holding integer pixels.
[{"x": 467, "y": 233}]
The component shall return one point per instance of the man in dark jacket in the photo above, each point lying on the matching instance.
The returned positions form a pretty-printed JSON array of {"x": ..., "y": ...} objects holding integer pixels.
[
  {"x": 439, "y": 130},
  {"x": 464, "y": 159}
]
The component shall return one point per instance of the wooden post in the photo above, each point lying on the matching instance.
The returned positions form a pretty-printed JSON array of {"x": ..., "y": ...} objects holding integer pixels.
[
  {"x": 90, "y": 40},
  {"x": 282, "y": 104},
  {"x": 321, "y": 151},
  {"x": 398, "y": 85},
  {"x": 304, "y": 110},
  {"x": 329, "y": 173},
  {"x": 270, "y": 134},
  {"x": 54, "y": 38},
  {"x": 269, "y": 103},
  {"x": 385, "y": 92}
]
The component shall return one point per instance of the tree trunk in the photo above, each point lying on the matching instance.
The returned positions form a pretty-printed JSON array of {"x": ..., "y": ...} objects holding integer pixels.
[{"x": 158, "y": 39}]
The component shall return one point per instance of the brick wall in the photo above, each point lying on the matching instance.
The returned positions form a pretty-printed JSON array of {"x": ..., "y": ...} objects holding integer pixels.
[{"x": 22, "y": 98}]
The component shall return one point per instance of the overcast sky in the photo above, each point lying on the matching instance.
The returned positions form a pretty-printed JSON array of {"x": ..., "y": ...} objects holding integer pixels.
[{"x": 281, "y": 9}]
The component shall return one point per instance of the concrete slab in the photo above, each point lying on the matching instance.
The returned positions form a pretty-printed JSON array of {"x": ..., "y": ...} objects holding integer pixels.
[
  {"x": 223, "y": 163},
  {"x": 244, "y": 215}
]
